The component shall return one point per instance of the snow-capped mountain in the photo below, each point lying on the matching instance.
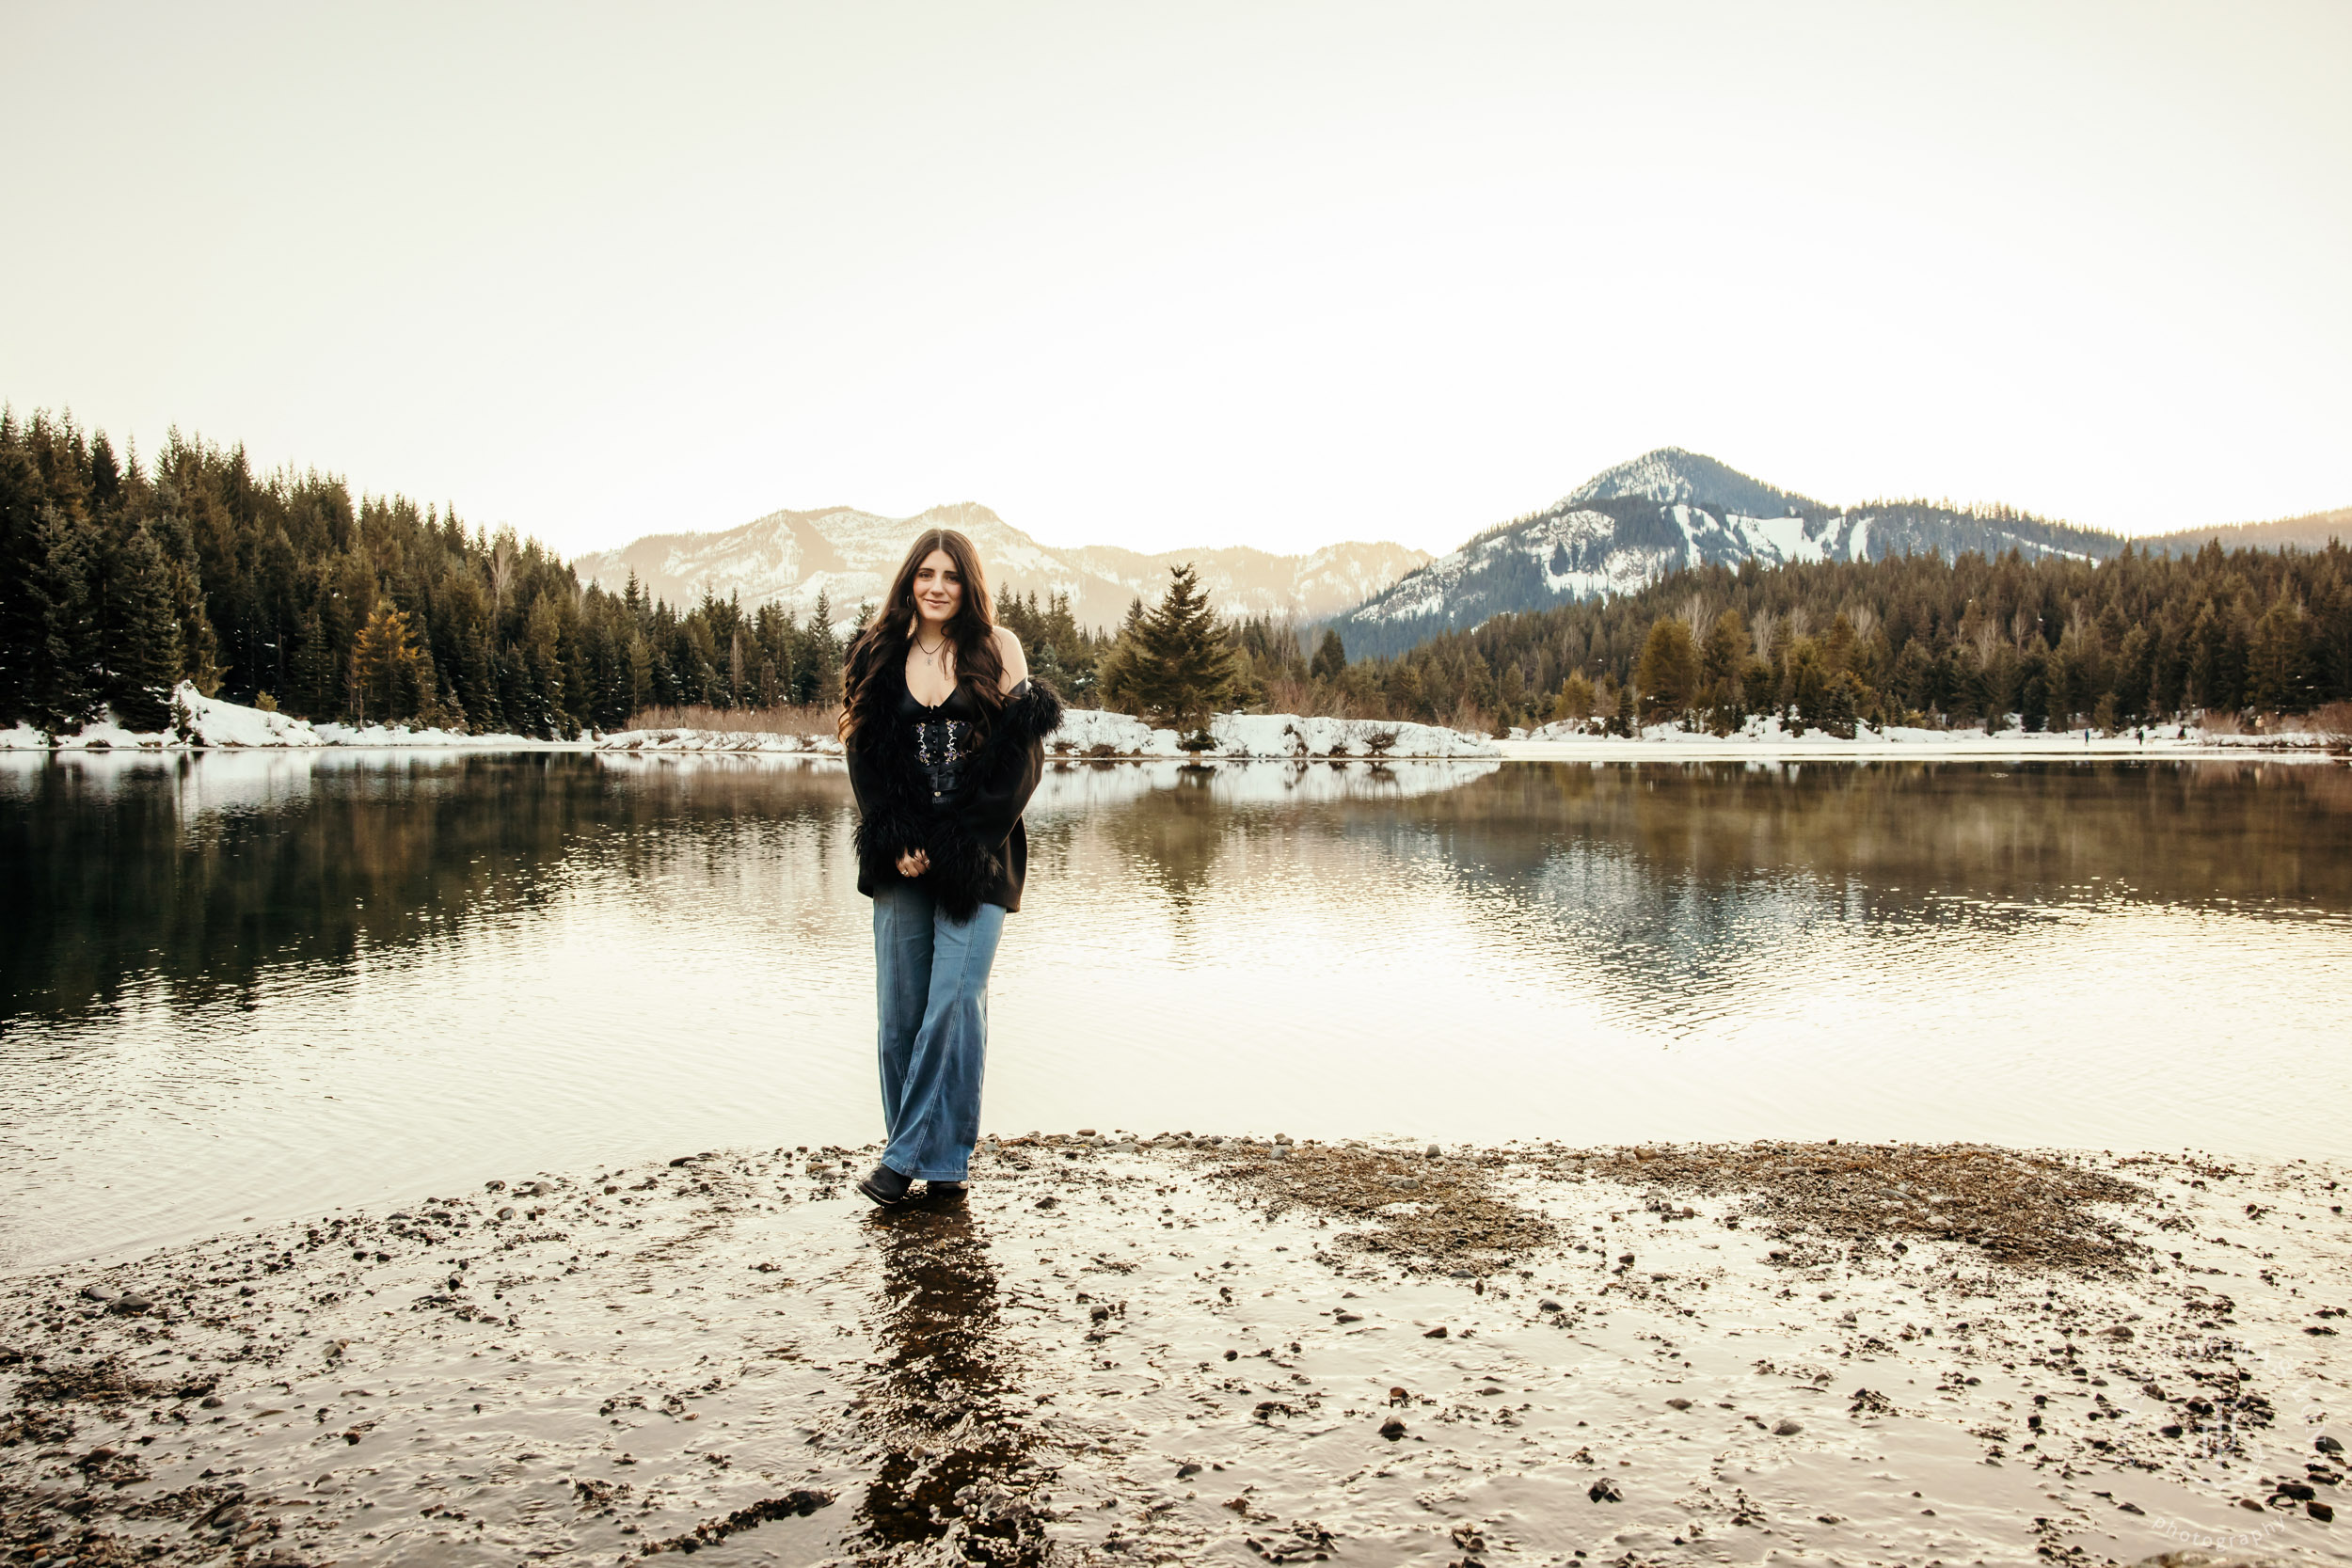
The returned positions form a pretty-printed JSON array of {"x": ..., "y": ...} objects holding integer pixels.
[
  {"x": 1664, "y": 510},
  {"x": 847, "y": 555}
]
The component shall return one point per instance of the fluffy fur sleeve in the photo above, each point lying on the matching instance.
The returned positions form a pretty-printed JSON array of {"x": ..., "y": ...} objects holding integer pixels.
[{"x": 967, "y": 846}]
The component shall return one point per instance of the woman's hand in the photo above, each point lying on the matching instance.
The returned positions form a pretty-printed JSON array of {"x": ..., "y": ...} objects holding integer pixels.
[{"x": 914, "y": 862}]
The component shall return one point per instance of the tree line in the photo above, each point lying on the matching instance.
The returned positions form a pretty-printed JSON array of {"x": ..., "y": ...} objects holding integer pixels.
[
  {"x": 119, "y": 579},
  {"x": 2048, "y": 644}
]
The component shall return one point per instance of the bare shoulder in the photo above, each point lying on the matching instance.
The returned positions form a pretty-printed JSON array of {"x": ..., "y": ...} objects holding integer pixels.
[{"x": 1008, "y": 652}]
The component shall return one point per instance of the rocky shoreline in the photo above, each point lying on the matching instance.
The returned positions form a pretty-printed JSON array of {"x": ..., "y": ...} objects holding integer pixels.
[{"x": 1185, "y": 1349}]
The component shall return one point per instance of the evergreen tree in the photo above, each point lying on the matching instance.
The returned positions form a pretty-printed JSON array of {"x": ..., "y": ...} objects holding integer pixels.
[
  {"x": 1330, "y": 660},
  {"x": 144, "y": 634},
  {"x": 1668, "y": 673},
  {"x": 1184, "y": 670},
  {"x": 386, "y": 672},
  {"x": 70, "y": 681}
]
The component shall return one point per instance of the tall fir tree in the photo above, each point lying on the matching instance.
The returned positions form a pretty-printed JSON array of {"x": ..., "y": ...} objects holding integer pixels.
[{"x": 1184, "y": 669}]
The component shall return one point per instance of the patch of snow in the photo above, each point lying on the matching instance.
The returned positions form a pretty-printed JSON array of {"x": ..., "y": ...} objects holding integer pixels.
[
  {"x": 1779, "y": 539},
  {"x": 405, "y": 734},
  {"x": 735, "y": 741},
  {"x": 1570, "y": 739},
  {"x": 1264, "y": 735},
  {"x": 210, "y": 722}
]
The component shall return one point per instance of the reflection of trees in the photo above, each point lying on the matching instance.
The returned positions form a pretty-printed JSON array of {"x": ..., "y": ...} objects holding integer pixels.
[
  {"x": 2190, "y": 834},
  {"x": 120, "y": 872},
  {"x": 1679, "y": 875},
  {"x": 954, "y": 1465},
  {"x": 114, "y": 882},
  {"x": 1175, "y": 836}
]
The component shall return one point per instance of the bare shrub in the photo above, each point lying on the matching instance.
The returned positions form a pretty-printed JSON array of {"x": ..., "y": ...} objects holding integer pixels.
[
  {"x": 2334, "y": 721},
  {"x": 815, "y": 719},
  {"x": 1307, "y": 699},
  {"x": 2220, "y": 723}
]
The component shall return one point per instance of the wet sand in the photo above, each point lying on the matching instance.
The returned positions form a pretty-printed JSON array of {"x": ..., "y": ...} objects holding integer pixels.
[{"x": 1251, "y": 1353}]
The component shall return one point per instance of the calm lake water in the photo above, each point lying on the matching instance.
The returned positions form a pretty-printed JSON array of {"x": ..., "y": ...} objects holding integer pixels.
[{"x": 255, "y": 985}]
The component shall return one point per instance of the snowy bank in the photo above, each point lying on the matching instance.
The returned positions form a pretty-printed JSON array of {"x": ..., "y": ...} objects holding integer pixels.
[
  {"x": 1762, "y": 736},
  {"x": 736, "y": 741},
  {"x": 200, "y": 722},
  {"x": 1094, "y": 733},
  {"x": 1091, "y": 731}
]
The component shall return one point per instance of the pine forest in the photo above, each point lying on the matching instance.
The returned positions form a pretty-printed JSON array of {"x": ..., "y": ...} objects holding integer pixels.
[{"x": 119, "y": 578}]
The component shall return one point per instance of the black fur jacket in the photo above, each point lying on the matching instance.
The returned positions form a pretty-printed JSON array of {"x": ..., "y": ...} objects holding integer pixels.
[{"x": 979, "y": 851}]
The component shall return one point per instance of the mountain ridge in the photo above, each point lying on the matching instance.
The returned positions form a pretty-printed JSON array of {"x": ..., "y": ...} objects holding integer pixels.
[
  {"x": 1670, "y": 508},
  {"x": 846, "y": 554}
]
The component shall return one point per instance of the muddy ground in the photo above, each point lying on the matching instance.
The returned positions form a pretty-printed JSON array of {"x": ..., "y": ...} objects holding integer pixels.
[{"x": 1237, "y": 1353}]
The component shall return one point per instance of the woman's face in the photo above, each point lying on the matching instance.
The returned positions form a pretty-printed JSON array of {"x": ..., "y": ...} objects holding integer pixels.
[{"x": 938, "y": 589}]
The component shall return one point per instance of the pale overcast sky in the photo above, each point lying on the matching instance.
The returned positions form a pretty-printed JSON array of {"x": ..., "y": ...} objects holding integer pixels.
[{"x": 1195, "y": 274}]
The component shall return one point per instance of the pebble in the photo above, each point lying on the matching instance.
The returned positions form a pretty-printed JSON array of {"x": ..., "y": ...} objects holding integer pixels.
[
  {"x": 128, "y": 1306},
  {"x": 97, "y": 1292},
  {"x": 507, "y": 1213},
  {"x": 1547, "y": 1305},
  {"x": 1392, "y": 1429},
  {"x": 1678, "y": 1404},
  {"x": 1432, "y": 1151},
  {"x": 1787, "y": 1428}
]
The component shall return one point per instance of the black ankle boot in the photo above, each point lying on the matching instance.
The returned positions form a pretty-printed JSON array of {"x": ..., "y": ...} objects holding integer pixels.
[{"x": 886, "y": 1187}]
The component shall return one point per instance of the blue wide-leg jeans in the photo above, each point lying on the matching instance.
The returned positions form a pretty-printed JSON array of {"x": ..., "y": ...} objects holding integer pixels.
[{"x": 931, "y": 990}]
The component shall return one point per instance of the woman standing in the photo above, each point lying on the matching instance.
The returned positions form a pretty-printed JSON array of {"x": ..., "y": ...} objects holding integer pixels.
[{"x": 946, "y": 736}]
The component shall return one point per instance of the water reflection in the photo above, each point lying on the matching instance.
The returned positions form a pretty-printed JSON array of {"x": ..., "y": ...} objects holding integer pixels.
[
  {"x": 234, "y": 983},
  {"x": 954, "y": 1465}
]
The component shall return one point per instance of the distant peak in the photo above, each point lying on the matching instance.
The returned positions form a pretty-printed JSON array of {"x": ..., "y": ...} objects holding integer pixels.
[{"x": 1669, "y": 475}]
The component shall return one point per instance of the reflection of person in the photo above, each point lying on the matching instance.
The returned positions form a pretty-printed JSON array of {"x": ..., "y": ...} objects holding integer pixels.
[{"x": 946, "y": 735}]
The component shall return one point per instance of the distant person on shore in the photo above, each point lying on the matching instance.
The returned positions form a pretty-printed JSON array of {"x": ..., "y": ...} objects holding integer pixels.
[{"x": 946, "y": 737}]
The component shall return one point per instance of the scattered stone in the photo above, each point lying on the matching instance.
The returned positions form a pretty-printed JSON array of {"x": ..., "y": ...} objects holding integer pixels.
[
  {"x": 1392, "y": 1429},
  {"x": 1786, "y": 1427},
  {"x": 1677, "y": 1403}
]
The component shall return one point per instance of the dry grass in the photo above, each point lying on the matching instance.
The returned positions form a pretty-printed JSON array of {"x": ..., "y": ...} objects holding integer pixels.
[
  {"x": 1309, "y": 699},
  {"x": 816, "y": 718},
  {"x": 2334, "y": 722}
]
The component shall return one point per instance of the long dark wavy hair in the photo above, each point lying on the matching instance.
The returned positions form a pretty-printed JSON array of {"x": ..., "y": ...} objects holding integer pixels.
[{"x": 878, "y": 657}]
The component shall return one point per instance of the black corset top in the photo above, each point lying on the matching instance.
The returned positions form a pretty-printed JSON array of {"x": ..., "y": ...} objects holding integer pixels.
[{"x": 944, "y": 737}]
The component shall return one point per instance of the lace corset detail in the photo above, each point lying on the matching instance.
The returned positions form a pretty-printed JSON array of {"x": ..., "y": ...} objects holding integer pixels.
[
  {"x": 941, "y": 745},
  {"x": 944, "y": 737}
]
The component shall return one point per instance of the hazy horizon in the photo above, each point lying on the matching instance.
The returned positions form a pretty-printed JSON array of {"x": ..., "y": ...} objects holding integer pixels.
[{"x": 1238, "y": 274}]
